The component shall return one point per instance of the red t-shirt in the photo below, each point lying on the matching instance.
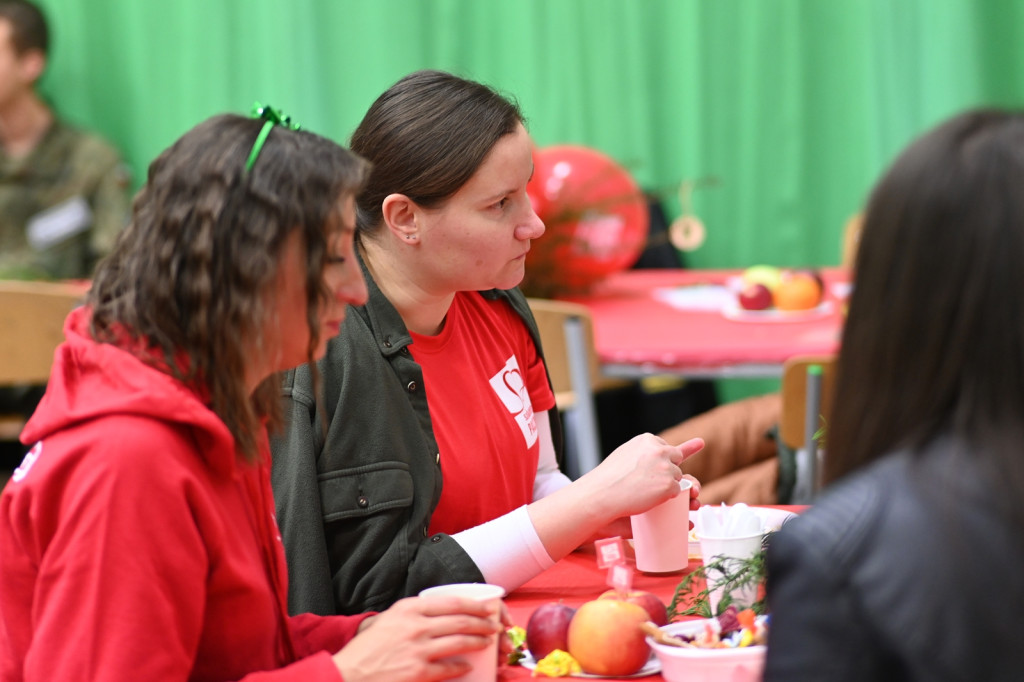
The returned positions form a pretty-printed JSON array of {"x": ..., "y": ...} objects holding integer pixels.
[{"x": 484, "y": 379}]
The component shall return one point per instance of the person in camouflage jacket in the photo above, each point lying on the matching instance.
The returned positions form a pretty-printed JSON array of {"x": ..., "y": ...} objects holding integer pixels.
[{"x": 63, "y": 191}]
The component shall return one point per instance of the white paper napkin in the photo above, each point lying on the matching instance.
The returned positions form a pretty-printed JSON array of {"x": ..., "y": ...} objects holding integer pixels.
[{"x": 728, "y": 521}]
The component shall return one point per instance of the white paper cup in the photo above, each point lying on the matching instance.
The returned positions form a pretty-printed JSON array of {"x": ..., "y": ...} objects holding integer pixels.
[
  {"x": 742, "y": 547},
  {"x": 661, "y": 535},
  {"x": 484, "y": 661}
]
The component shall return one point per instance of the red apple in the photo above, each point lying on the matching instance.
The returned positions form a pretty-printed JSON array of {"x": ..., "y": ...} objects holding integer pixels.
[
  {"x": 648, "y": 601},
  {"x": 755, "y": 296},
  {"x": 605, "y": 637},
  {"x": 548, "y": 629}
]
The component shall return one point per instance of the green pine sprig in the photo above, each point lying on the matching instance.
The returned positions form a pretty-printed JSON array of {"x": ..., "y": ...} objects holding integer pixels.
[
  {"x": 730, "y": 574},
  {"x": 819, "y": 435}
]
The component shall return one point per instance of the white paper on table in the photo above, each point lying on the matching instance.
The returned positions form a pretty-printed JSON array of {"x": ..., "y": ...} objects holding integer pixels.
[{"x": 696, "y": 296}]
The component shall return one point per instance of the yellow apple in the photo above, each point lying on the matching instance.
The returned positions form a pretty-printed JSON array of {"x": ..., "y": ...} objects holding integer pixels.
[
  {"x": 768, "y": 275},
  {"x": 606, "y": 639}
]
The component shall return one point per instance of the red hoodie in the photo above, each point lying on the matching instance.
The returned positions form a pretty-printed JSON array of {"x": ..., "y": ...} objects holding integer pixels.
[{"x": 134, "y": 545}]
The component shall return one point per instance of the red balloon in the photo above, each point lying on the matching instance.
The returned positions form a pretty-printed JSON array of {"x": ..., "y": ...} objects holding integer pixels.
[{"x": 596, "y": 218}]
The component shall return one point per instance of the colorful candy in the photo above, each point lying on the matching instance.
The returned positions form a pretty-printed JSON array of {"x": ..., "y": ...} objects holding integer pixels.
[
  {"x": 736, "y": 629},
  {"x": 557, "y": 664}
]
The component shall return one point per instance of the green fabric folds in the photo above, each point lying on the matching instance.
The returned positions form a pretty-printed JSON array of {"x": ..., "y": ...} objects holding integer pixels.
[{"x": 795, "y": 106}]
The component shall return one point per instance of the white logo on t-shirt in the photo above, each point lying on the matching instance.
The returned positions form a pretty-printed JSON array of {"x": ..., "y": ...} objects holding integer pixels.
[
  {"x": 508, "y": 384},
  {"x": 26, "y": 464}
]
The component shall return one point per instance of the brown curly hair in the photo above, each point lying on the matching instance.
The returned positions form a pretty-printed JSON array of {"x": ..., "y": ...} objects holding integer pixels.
[{"x": 189, "y": 276}]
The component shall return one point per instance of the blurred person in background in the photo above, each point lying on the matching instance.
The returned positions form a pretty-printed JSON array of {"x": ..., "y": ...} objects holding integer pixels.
[
  {"x": 64, "y": 192},
  {"x": 908, "y": 567},
  {"x": 742, "y": 459}
]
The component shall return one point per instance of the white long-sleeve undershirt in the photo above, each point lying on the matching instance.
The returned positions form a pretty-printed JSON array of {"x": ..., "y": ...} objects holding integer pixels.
[{"x": 507, "y": 549}]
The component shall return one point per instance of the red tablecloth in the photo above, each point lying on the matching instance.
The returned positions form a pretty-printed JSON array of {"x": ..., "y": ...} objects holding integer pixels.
[
  {"x": 636, "y": 333},
  {"x": 576, "y": 579}
]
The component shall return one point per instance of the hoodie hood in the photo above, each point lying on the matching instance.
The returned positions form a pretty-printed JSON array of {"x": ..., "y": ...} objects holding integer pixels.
[{"x": 90, "y": 380}]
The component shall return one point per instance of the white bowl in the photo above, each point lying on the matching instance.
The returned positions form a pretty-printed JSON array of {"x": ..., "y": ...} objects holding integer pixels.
[{"x": 679, "y": 664}]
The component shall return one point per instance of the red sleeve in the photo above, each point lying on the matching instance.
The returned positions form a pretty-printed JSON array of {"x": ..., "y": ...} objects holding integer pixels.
[
  {"x": 115, "y": 596},
  {"x": 115, "y": 543},
  {"x": 312, "y": 633}
]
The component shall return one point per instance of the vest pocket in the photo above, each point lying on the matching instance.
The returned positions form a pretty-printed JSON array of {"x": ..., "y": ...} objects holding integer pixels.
[{"x": 365, "y": 490}]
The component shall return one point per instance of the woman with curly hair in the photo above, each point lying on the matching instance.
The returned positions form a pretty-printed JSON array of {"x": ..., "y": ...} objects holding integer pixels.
[{"x": 137, "y": 538}]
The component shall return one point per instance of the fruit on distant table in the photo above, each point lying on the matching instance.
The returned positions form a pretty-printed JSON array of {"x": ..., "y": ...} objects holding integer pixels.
[
  {"x": 606, "y": 639},
  {"x": 656, "y": 610},
  {"x": 548, "y": 629},
  {"x": 768, "y": 275},
  {"x": 755, "y": 296},
  {"x": 817, "y": 278},
  {"x": 797, "y": 290}
]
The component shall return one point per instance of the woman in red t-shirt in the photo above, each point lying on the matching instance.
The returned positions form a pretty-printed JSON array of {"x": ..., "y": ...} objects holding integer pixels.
[{"x": 444, "y": 227}]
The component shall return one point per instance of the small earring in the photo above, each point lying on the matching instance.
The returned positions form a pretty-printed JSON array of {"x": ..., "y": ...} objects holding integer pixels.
[{"x": 411, "y": 237}]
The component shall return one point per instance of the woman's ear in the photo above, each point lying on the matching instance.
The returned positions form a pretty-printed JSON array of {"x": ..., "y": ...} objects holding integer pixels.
[{"x": 399, "y": 213}]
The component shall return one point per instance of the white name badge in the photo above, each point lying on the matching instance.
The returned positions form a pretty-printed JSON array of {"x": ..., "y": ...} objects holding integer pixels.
[{"x": 57, "y": 223}]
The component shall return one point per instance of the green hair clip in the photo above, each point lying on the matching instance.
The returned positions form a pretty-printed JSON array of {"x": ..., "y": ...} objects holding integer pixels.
[{"x": 272, "y": 117}]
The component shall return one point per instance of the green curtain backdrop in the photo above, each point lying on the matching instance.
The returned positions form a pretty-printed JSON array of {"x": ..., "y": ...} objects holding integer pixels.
[{"x": 795, "y": 106}]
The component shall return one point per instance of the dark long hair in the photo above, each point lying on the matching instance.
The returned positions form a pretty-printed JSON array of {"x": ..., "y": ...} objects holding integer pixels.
[
  {"x": 190, "y": 275},
  {"x": 426, "y": 136},
  {"x": 934, "y": 342}
]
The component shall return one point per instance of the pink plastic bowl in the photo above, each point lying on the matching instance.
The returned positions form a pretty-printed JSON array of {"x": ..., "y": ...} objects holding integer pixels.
[{"x": 741, "y": 664}]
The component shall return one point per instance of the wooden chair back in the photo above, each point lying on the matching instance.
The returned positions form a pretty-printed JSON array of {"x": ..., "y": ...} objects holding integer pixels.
[
  {"x": 31, "y": 327},
  {"x": 792, "y": 424},
  {"x": 567, "y": 335},
  {"x": 551, "y": 317},
  {"x": 851, "y": 240}
]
